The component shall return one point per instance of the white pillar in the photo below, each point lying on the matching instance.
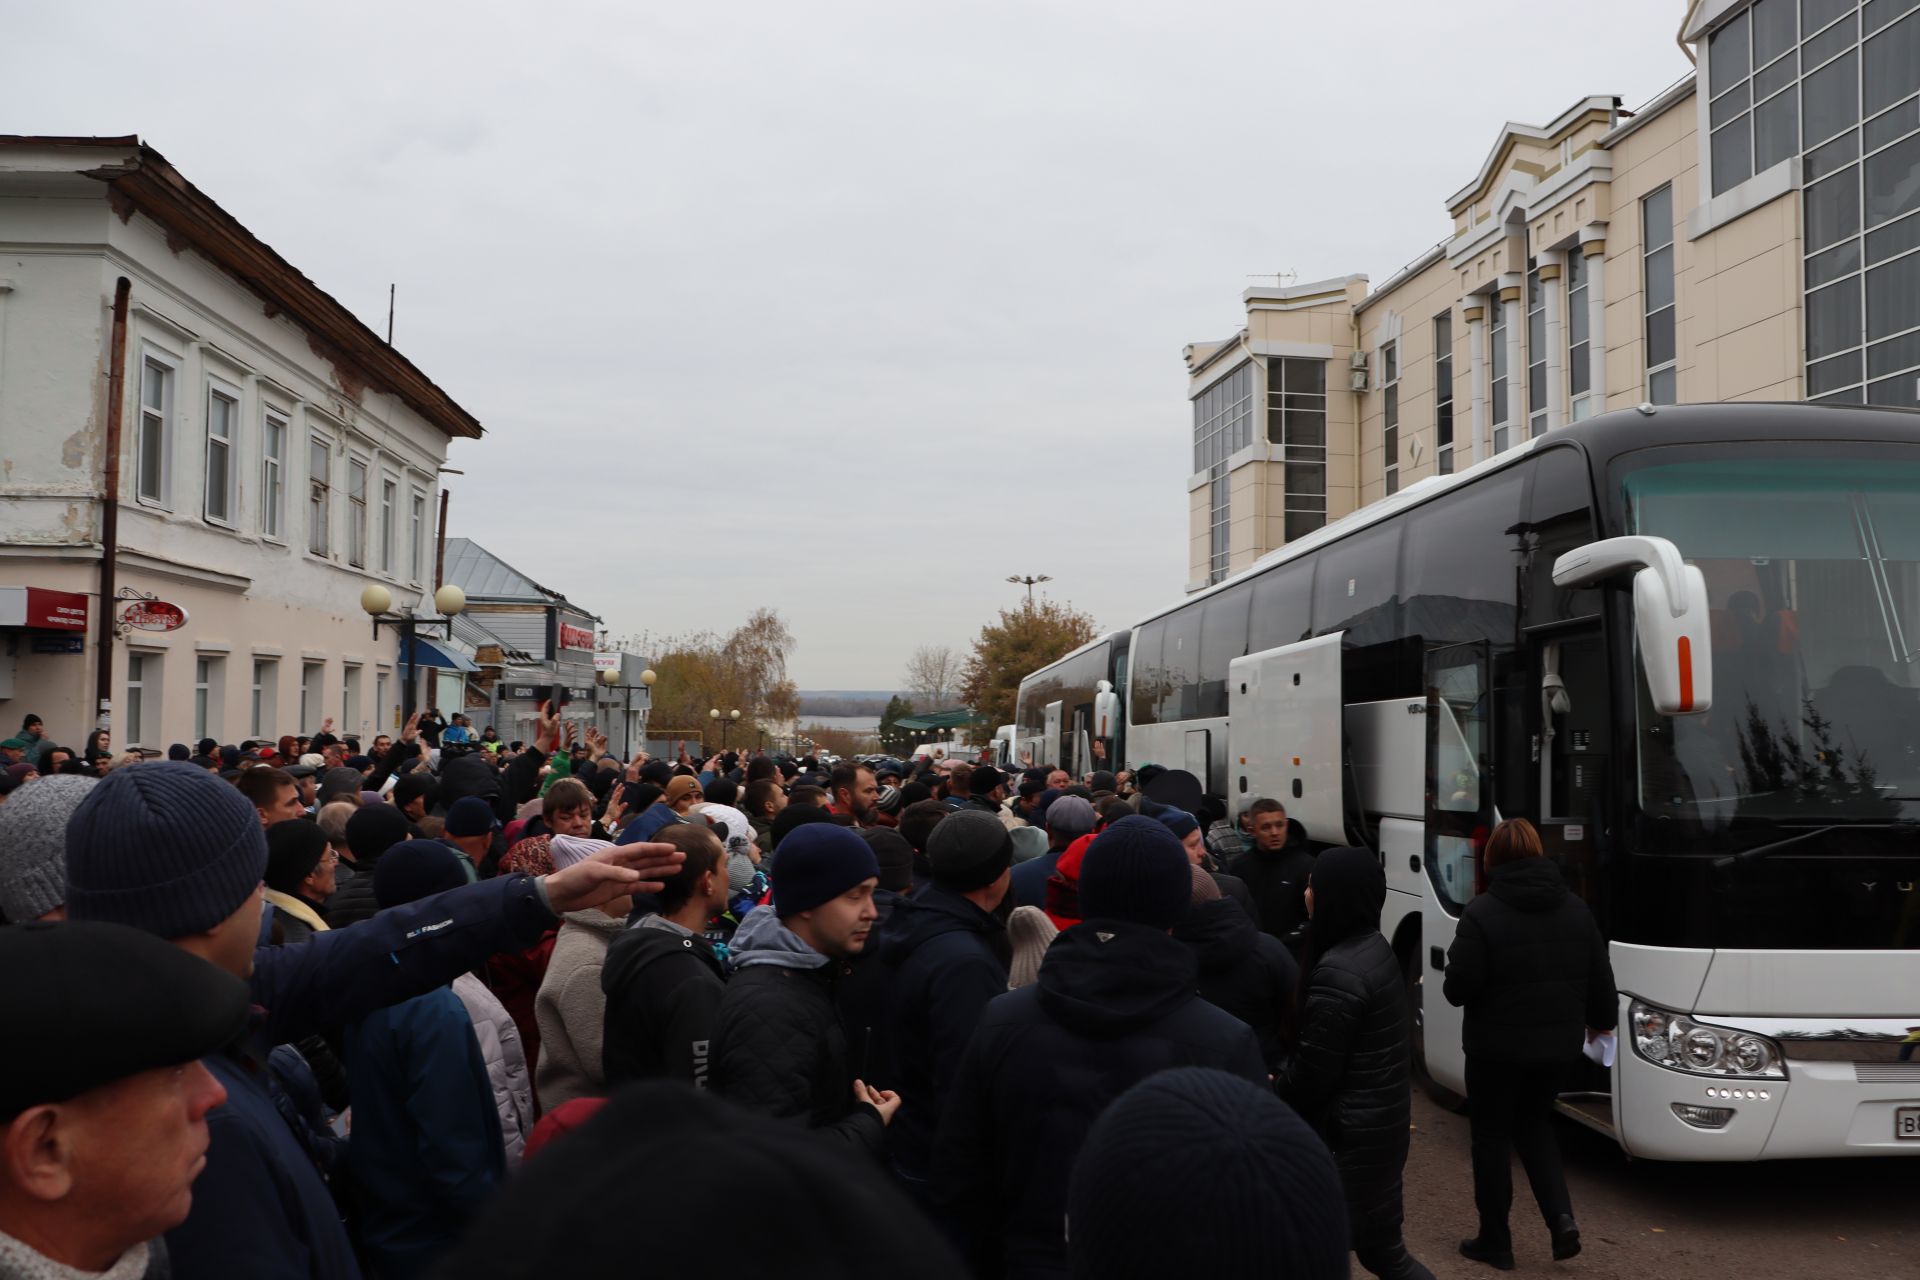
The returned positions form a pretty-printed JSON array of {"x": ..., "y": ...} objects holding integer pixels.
[
  {"x": 1474, "y": 311},
  {"x": 1593, "y": 243},
  {"x": 1513, "y": 305},
  {"x": 1553, "y": 283}
]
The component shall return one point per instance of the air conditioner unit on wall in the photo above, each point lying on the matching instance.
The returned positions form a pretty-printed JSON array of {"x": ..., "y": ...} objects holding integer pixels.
[
  {"x": 1358, "y": 379},
  {"x": 1357, "y": 360}
]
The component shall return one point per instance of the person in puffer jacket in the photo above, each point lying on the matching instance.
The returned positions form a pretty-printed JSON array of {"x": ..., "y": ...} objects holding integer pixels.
[
  {"x": 1350, "y": 1077},
  {"x": 1243, "y": 971}
]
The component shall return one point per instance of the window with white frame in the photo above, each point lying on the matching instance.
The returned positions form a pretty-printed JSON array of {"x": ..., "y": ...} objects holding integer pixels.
[
  {"x": 1656, "y": 247},
  {"x": 350, "y": 699},
  {"x": 223, "y": 414},
  {"x": 1536, "y": 353},
  {"x": 143, "y": 698},
  {"x": 273, "y": 474},
  {"x": 356, "y": 513},
  {"x": 266, "y": 679},
  {"x": 319, "y": 494},
  {"x": 419, "y": 557},
  {"x": 312, "y": 678},
  {"x": 1297, "y": 422},
  {"x": 389, "y": 517},
  {"x": 153, "y": 447},
  {"x": 1443, "y": 392},
  {"x": 1497, "y": 338},
  {"x": 380, "y": 717},
  {"x": 1579, "y": 345},
  {"x": 209, "y": 680},
  {"x": 1390, "y": 414},
  {"x": 1222, "y": 425}
]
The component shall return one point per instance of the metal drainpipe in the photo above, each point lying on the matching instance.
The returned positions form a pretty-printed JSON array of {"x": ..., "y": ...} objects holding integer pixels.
[{"x": 110, "y": 505}]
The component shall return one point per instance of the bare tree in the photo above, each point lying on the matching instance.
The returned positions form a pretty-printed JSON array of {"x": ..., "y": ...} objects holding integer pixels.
[{"x": 933, "y": 676}]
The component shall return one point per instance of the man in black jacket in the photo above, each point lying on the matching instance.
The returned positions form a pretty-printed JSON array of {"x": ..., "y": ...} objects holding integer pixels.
[
  {"x": 1114, "y": 1004},
  {"x": 778, "y": 1045},
  {"x": 662, "y": 980},
  {"x": 940, "y": 958},
  {"x": 1243, "y": 971},
  {"x": 1276, "y": 873}
]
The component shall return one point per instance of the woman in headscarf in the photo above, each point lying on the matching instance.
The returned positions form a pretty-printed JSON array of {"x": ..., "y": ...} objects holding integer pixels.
[{"x": 1350, "y": 1076}]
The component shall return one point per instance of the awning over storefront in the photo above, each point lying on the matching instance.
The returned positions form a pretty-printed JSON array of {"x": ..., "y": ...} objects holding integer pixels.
[
  {"x": 43, "y": 610},
  {"x": 428, "y": 654}
]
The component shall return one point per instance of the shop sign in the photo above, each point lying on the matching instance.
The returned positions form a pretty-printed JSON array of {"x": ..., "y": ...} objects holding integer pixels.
[
  {"x": 154, "y": 615},
  {"x": 606, "y": 661},
  {"x": 572, "y": 637},
  {"x": 42, "y": 608}
]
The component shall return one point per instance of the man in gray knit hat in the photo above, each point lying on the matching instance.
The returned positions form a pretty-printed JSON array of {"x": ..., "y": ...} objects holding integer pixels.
[
  {"x": 175, "y": 851},
  {"x": 33, "y": 848}
]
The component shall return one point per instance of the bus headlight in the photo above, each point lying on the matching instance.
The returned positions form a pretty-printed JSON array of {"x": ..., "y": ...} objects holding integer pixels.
[{"x": 1677, "y": 1042}]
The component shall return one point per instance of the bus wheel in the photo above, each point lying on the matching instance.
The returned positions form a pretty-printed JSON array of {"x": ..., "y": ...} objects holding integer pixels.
[{"x": 1415, "y": 975}]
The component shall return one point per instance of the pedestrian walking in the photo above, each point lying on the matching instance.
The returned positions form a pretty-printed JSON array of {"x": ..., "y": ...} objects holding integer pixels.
[
  {"x": 1351, "y": 1076},
  {"x": 1530, "y": 968}
]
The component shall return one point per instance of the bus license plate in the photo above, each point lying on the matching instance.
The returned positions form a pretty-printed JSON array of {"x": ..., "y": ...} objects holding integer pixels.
[{"x": 1906, "y": 1123}]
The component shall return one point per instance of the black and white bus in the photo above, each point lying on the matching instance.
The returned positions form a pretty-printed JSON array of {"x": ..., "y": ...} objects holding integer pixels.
[
  {"x": 1685, "y": 643},
  {"x": 1068, "y": 712}
]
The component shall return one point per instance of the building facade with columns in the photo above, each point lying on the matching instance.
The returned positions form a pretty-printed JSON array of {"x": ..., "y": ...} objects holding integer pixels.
[
  {"x": 204, "y": 460},
  {"x": 1753, "y": 233}
]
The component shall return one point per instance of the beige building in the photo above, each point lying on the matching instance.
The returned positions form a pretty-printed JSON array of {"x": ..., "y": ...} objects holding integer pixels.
[{"x": 1751, "y": 234}]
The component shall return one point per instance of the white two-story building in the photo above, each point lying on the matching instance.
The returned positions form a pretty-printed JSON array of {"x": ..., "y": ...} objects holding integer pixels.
[{"x": 187, "y": 420}]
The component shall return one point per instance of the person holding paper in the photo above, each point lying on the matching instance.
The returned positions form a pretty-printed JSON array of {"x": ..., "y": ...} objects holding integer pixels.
[{"x": 1530, "y": 968}]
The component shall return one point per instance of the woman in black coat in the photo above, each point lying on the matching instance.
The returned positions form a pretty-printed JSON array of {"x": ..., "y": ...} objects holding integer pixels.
[
  {"x": 1350, "y": 1077},
  {"x": 1531, "y": 968}
]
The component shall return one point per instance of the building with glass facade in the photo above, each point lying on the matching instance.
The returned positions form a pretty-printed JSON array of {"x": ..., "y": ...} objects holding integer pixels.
[{"x": 1751, "y": 234}]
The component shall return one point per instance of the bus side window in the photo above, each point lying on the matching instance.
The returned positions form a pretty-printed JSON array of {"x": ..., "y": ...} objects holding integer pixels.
[
  {"x": 1149, "y": 681},
  {"x": 1282, "y": 607},
  {"x": 1223, "y": 637},
  {"x": 1357, "y": 587},
  {"x": 1180, "y": 658}
]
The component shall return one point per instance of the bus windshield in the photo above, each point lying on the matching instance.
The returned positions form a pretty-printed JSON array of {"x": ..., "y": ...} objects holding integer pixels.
[{"x": 1812, "y": 565}]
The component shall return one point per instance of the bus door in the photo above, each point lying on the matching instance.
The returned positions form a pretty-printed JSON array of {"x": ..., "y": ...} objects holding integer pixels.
[
  {"x": 1052, "y": 750},
  {"x": 1570, "y": 748},
  {"x": 1459, "y": 817}
]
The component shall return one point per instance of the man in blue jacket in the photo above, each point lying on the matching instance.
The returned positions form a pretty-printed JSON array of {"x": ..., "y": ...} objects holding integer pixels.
[{"x": 175, "y": 851}]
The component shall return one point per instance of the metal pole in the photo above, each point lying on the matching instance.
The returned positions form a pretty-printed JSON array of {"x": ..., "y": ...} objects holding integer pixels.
[
  {"x": 110, "y": 508},
  {"x": 626, "y": 732},
  {"x": 413, "y": 668}
]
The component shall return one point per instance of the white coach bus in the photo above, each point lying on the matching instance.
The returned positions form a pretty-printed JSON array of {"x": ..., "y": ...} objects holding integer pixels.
[{"x": 1685, "y": 643}]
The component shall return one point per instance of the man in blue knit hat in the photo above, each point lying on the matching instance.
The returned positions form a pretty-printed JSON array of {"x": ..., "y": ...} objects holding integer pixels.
[
  {"x": 175, "y": 851},
  {"x": 1114, "y": 1003},
  {"x": 778, "y": 1043}
]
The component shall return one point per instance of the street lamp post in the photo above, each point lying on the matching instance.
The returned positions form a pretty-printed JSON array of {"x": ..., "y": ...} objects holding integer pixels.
[
  {"x": 378, "y": 602},
  {"x": 611, "y": 678},
  {"x": 725, "y": 721},
  {"x": 1029, "y": 581}
]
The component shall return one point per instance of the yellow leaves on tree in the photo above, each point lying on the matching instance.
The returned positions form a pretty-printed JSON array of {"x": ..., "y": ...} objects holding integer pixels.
[
  {"x": 745, "y": 670},
  {"x": 1023, "y": 640}
]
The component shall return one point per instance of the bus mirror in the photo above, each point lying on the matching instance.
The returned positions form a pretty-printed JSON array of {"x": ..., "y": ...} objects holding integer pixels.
[
  {"x": 1669, "y": 614},
  {"x": 1106, "y": 712}
]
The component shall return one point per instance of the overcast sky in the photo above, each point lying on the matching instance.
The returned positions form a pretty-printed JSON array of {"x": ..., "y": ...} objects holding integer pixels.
[{"x": 847, "y": 309}]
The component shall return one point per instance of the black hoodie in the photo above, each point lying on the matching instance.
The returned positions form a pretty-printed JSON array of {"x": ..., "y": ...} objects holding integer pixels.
[
  {"x": 663, "y": 990},
  {"x": 1114, "y": 1004},
  {"x": 1244, "y": 972},
  {"x": 1530, "y": 966}
]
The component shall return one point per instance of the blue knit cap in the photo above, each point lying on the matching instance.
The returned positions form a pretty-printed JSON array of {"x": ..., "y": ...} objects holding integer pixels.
[
  {"x": 1136, "y": 870},
  {"x": 163, "y": 847},
  {"x": 1178, "y": 821},
  {"x": 818, "y": 862}
]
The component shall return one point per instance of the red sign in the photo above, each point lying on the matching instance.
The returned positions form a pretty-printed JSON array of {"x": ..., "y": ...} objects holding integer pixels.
[
  {"x": 41, "y": 608},
  {"x": 572, "y": 637},
  {"x": 154, "y": 615}
]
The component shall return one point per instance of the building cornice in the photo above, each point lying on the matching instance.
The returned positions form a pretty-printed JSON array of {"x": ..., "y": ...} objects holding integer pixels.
[{"x": 1587, "y": 110}]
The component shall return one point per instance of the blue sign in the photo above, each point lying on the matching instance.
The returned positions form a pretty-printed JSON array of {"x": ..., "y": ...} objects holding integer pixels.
[{"x": 59, "y": 644}]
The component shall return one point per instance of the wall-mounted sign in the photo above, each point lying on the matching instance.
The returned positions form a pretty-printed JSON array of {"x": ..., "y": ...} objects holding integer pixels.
[
  {"x": 42, "y": 608},
  {"x": 59, "y": 644},
  {"x": 530, "y": 691},
  {"x": 572, "y": 637},
  {"x": 606, "y": 662},
  {"x": 153, "y": 615}
]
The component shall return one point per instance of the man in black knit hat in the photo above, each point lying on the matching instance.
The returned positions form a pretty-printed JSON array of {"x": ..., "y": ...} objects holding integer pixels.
[{"x": 1114, "y": 1003}]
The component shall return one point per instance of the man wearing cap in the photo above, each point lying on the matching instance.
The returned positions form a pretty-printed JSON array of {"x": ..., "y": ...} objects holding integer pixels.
[
  {"x": 1067, "y": 819},
  {"x": 940, "y": 954},
  {"x": 674, "y": 804},
  {"x": 1114, "y": 1003},
  {"x": 778, "y": 1043},
  {"x": 117, "y": 1021},
  {"x": 171, "y": 850},
  {"x": 13, "y": 751},
  {"x": 469, "y": 828}
]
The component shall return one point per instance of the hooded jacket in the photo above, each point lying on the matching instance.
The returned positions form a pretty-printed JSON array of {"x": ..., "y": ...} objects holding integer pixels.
[
  {"x": 1114, "y": 1004},
  {"x": 937, "y": 969},
  {"x": 1350, "y": 1078},
  {"x": 778, "y": 1045},
  {"x": 1529, "y": 964},
  {"x": 1243, "y": 971},
  {"x": 507, "y": 1068},
  {"x": 572, "y": 1012},
  {"x": 1278, "y": 882},
  {"x": 663, "y": 987}
]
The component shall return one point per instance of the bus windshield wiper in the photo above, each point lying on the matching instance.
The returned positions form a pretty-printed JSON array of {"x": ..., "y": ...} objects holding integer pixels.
[{"x": 1799, "y": 837}]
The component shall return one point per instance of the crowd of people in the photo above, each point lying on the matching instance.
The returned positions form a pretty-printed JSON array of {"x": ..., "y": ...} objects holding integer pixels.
[{"x": 443, "y": 1004}]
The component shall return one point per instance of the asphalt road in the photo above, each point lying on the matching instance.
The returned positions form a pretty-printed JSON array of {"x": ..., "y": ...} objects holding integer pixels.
[{"x": 1781, "y": 1220}]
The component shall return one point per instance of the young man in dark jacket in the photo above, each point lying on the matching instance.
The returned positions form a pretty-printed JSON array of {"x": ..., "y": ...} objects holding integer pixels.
[
  {"x": 1529, "y": 964},
  {"x": 1114, "y": 1004},
  {"x": 1351, "y": 1077},
  {"x": 779, "y": 1046},
  {"x": 940, "y": 963},
  {"x": 1243, "y": 971},
  {"x": 175, "y": 851},
  {"x": 1276, "y": 873},
  {"x": 1068, "y": 818},
  {"x": 662, "y": 980}
]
